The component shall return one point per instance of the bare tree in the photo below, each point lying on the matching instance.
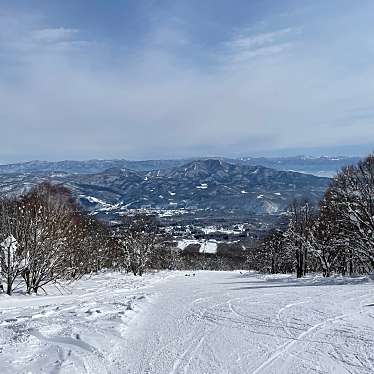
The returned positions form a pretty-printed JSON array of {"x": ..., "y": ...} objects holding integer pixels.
[
  {"x": 340, "y": 236},
  {"x": 48, "y": 213},
  {"x": 325, "y": 242},
  {"x": 298, "y": 233},
  {"x": 91, "y": 246},
  {"x": 139, "y": 238},
  {"x": 352, "y": 198}
]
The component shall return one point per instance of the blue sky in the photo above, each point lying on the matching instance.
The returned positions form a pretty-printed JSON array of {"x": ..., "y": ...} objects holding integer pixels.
[{"x": 166, "y": 79}]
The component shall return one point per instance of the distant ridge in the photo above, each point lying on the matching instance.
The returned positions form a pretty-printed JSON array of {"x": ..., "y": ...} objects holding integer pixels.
[
  {"x": 209, "y": 184},
  {"x": 320, "y": 166}
]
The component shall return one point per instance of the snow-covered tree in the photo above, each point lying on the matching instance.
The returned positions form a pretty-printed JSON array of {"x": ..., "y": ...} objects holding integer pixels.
[
  {"x": 340, "y": 236},
  {"x": 12, "y": 259},
  {"x": 92, "y": 246},
  {"x": 325, "y": 241},
  {"x": 352, "y": 198},
  {"x": 139, "y": 238},
  {"x": 48, "y": 213},
  {"x": 298, "y": 233},
  {"x": 9, "y": 262}
]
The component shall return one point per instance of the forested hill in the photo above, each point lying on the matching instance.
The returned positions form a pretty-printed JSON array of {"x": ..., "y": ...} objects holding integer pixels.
[
  {"x": 320, "y": 166},
  {"x": 208, "y": 184}
]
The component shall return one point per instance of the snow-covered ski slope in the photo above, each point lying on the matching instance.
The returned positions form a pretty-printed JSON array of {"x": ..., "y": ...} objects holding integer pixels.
[
  {"x": 214, "y": 322},
  {"x": 80, "y": 331}
]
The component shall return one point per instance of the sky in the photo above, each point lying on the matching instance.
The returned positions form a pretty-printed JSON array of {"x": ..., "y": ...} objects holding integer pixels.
[{"x": 141, "y": 79}]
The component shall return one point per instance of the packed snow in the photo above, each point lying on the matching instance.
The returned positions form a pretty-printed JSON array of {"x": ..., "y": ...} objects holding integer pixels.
[
  {"x": 206, "y": 246},
  {"x": 202, "y": 322},
  {"x": 101, "y": 205},
  {"x": 209, "y": 246},
  {"x": 214, "y": 229},
  {"x": 203, "y": 186},
  {"x": 78, "y": 328}
]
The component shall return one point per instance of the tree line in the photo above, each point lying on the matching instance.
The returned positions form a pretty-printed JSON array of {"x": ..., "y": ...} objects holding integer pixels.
[
  {"x": 46, "y": 238},
  {"x": 335, "y": 237}
]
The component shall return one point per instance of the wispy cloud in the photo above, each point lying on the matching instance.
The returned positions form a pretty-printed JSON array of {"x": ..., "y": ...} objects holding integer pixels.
[
  {"x": 51, "y": 36},
  {"x": 245, "y": 42},
  {"x": 23, "y": 38},
  {"x": 248, "y": 55},
  {"x": 171, "y": 93},
  {"x": 247, "y": 46}
]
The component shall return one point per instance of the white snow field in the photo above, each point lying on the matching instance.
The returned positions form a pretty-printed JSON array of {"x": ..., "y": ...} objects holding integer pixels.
[{"x": 213, "y": 322}]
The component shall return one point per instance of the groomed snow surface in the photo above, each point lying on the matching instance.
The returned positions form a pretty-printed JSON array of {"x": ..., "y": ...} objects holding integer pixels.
[
  {"x": 206, "y": 246},
  {"x": 213, "y": 322}
]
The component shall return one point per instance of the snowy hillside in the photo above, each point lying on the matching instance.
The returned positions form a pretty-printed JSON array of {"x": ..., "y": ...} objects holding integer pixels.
[
  {"x": 81, "y": 330},
  {"x": 213, "y": 322},
  {"x": 320, "y": 166},
  {"x": 205, "y": 185}
]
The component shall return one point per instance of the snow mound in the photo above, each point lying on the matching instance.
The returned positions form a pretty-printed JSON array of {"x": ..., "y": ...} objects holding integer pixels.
[{"x": 78, "y": 331}]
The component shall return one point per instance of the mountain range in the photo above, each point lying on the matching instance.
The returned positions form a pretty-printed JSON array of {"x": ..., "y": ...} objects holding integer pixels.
[
  {"x": 200, "y": 185},
  {"x": 320, "y": 166}
]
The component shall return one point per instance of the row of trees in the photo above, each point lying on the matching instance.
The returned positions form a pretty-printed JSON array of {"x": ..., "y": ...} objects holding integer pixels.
[
  {"x": 45, "y": 238},
  {"x": 336, "y": 237}
]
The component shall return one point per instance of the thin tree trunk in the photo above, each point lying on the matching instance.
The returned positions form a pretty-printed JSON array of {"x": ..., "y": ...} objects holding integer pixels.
[{"x": 9, "y": 285}]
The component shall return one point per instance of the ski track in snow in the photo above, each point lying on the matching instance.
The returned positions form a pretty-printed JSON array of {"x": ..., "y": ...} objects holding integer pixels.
[
  {"x": 80, "y": 331},
  {"x": 214, "y": 322}
]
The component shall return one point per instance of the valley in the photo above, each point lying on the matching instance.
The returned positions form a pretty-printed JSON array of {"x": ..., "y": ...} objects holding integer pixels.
[{"x": 189, "y": 199}]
